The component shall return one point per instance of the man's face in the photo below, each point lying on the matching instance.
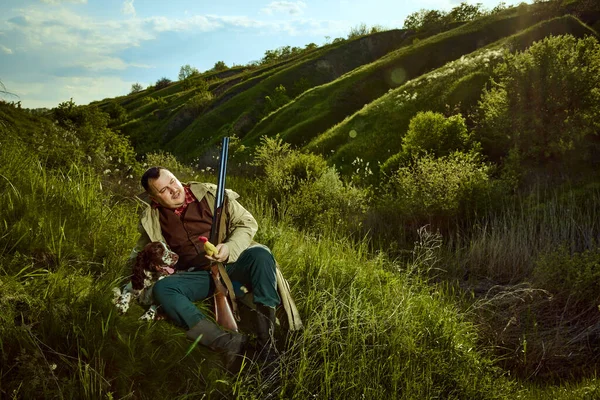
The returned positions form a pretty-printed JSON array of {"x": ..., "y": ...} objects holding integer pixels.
[{"x": 167, "y": 190}]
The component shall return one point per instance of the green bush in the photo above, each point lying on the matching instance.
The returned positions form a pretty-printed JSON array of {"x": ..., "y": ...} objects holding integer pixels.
[
  {"x": 566, "y": 274},
  {"x": 305, "y": 189},
  {"x": 430, "y": 132},
  {"x": 199, "y": 102},
  {"x": 438, "y": 187},
  {"x": 546, "y": 102},
  {"x": 162, "y": 83}
]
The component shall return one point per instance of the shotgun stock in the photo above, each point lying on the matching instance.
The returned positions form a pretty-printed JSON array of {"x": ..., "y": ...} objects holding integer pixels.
[{"x": 223, "y": 312}]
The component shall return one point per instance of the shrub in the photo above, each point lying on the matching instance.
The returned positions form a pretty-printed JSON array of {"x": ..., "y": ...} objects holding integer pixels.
[
  {"x": 162, "y": 83},
  {"x": 438, "y": 187},
  {"x": 305, "y": 189},
  {"x": 117, "y": 113},
  {"x": 199, "y": 102},
  {"x": 220, "y": 66},
  {"x": 136, "y": 88},
  {"x": 546, "y": 102},
  {"x": 273, "y": 101},
  {"x": 430, "y": 132},
  {"x": 570, "y": 275}
]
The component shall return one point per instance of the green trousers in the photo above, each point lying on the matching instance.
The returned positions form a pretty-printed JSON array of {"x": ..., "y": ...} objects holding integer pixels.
[{"x": 254, "y": 269}]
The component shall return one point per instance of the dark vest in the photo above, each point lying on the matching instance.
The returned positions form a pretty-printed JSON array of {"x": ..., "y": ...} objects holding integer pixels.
[{"x": 181, "y": 233}]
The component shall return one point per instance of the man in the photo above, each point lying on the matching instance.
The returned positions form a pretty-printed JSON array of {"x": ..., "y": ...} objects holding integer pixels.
[{"x": 177, "y": 215}]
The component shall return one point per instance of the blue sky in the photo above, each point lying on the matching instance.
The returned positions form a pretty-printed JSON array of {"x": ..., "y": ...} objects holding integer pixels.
[{"x": 53, "y": 50}]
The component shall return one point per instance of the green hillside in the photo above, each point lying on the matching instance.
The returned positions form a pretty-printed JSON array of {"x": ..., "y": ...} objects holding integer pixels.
[
  {"x": 319, "y": 109},
  {"x": 378, "y": 127}
]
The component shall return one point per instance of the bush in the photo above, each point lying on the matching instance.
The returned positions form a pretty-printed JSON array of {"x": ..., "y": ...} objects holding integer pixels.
[
  {"x": 162, "y": 83},
  {"x": 136, "y": 88},
  {"x": 220, "y": 66},
  {"x": 304, "y": 189},
  {"x": 570, "y": 275},
  {"x": 546, "y": 102},
  {"x": 199, "y": 102},
  {"x": 430, "y": 132},
  {"x": 438, "y": 187}
]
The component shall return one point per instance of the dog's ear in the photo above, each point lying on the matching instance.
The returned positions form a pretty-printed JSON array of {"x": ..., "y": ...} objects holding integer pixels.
[{"x": 137, "y": 272}]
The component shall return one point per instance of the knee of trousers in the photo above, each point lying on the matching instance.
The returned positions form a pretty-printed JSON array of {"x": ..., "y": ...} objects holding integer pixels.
[
  {"x": 261, "y": 256},
  {"x": 163, "y": 289}
]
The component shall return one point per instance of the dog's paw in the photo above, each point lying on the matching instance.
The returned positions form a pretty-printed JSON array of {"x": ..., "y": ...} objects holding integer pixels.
[
  {"x": 116, "y": 294},
  {"x": 123, "y": 302},
  {"x": 149, "y": 315}
]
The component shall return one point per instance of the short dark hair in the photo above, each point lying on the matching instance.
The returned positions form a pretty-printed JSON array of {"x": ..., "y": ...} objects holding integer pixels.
[{"x": 151, "y": 173}]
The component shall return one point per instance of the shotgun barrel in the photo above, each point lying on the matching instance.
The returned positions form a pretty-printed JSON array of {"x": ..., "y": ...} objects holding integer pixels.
[{"x": 223, "y": 312}]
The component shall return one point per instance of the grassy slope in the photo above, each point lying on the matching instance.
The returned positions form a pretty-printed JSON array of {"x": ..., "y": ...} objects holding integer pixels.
[
  {"x": 381, "y": 125},
  {"x": 381, "y": 331},
  {"x": 244, "y": 107},
  {"x": 322, "y": 107}
]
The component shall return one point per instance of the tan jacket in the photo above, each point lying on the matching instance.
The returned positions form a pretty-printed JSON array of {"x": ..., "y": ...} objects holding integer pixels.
[{"x": 241, "y": 225}]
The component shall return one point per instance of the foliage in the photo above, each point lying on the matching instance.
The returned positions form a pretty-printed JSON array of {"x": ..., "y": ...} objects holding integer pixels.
[
  {"x": 570, "y": 275},
  {"x": 199, "y": 102},
  {"x": 162, "y": 83},
  {"x": 91, "y": 139},
  {"x": 363, "y": 30},
  {"x": 305, "y": 189},
  {"x": 117, "y": 113},
  {"x": 273, "y": 101},
  {"x": 423, "y": 20},
  {"x": 438, "y": 187},
  {"x": 220, "y": 66},
  {"x": 430, "y": 132},
  {"x": 136, "y": 88},
  {"x": 186, "y": 72},
  {"x": 545, "y": 103}
]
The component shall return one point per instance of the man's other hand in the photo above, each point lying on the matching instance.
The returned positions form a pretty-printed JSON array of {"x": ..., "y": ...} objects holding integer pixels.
[{"x": 223, "y": 253}]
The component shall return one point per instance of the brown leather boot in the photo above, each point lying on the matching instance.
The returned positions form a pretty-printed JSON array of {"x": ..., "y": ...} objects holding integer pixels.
[{"x": 231, "y": 345}]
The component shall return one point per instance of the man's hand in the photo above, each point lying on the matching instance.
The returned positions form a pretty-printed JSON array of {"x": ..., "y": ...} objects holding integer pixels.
[{"x": 223, "y": 253}]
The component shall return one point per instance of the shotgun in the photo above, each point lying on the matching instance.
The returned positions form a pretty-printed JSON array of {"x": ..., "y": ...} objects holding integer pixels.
[{"x": 223, "y": 313}]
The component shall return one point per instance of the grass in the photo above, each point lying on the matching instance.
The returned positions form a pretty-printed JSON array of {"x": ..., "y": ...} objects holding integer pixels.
[{"x": 321, "y": 108}]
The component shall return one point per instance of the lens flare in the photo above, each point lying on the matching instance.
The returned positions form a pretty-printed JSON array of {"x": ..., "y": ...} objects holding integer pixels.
[{"x": 398, "y": 76}]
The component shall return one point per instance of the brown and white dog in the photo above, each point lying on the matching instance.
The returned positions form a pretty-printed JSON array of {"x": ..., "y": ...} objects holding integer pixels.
[{"x": 153, "y": 263}]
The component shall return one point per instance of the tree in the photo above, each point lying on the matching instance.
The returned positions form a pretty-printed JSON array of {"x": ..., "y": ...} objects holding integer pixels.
[
  {"x": 162, "y": 83},
  {"x": 136, "y": 88},
  {"x": 187, "y": 71},
  {"x": 220, "y": 66},
  {"x": 425, "y": 19},
  {"x": 465, "y": 12},
  {"x": 546, "y": 103}
]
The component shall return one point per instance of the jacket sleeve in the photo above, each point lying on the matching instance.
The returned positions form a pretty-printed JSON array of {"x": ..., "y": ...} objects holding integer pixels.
[
  {"x": 241, "y": 229},
  {"x": 143, "y": 240}
]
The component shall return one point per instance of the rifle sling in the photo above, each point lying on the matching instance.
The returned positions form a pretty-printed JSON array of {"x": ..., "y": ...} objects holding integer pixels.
[
  {"x": 222, "y": 271},
  {"x": 230, "y": 291}
]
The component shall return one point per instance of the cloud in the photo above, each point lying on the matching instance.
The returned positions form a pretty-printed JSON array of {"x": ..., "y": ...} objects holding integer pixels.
[
  {"x": 289, "y": 7},
  {"x": 5, "y": 49},
  {"x": 128, "y": 8},
  {"x": 47, "y": 48},
  {"x": 53, "y": 90}
]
